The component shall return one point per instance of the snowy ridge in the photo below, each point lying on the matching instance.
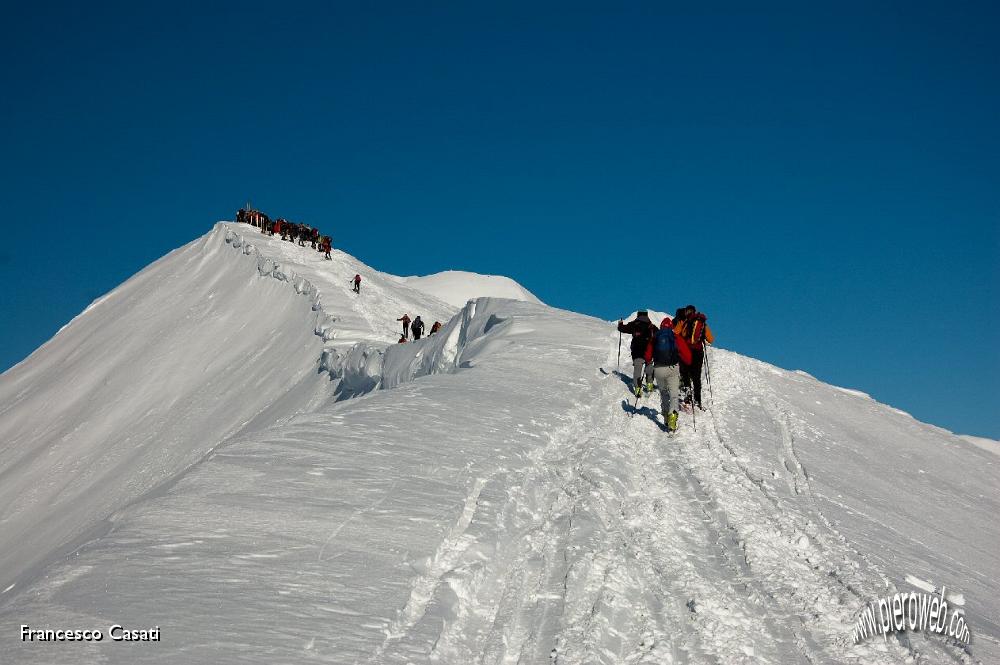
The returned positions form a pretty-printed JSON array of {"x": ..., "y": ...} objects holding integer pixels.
[
  {"x": 127, "y": 394},
  {"x": 202, "y": 344},
  {"x": 365, "y": 366},
  {"x": 269, "y": 267},
  {"x": 344, "y": 318},
  {"x": 486, "y": 496}
]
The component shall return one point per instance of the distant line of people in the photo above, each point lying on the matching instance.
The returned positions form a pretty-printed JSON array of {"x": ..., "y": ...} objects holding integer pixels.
[
  {"x": 303, "y": 233},
  {"x": 415, "y": 327},
  {"x": 290, "y": 231},
  {"x": 673, "y": 355}
]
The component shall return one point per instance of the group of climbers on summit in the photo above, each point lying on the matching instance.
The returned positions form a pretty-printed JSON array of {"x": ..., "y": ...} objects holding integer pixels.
[
  {"x": 672, "y": 354},
  {"x": 290, "y": 231}
]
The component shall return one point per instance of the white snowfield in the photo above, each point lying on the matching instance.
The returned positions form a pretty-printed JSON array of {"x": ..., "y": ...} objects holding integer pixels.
[
  {"x": 234, "y": 450},
  {"x": 457, "y": 287},
  {"x": 991, "y": 445}
]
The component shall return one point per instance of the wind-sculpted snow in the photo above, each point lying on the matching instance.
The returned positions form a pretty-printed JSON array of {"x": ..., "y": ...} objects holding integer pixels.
[
  {"x": 360, "y": 370},
  {"x": 223, "y": 335},
  {"x": 365, "y": 366},
  {"x": 268, "y": 267},
  {"x": 486, "y": 496},
  {"x": 437, "y": 354},
  {"x": 345, "y": 318}
]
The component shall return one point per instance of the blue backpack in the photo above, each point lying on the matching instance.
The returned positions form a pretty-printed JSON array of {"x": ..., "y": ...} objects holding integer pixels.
[{"x": 665, "y": 348}]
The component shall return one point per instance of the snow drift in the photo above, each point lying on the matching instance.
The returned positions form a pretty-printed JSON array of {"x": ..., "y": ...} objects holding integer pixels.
[{"x": 457, "y": 287}]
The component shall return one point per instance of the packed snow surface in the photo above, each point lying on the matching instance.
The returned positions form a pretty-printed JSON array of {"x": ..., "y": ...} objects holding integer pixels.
[
  {"x": 484, "y": 495},
  {"x": 991, "y": 445},
  {"x": 457, "y": 287}
]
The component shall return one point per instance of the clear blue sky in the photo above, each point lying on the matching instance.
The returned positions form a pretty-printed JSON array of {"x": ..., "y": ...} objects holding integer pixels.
[{"x": 822, "y": 179}]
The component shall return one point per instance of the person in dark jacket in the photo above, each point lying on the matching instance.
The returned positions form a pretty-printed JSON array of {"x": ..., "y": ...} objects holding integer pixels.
[
  {"x": 406, "y": 325},
  {"x": 417, "y": 328},
  {"x": 434, "y": 328},
  {"x": 357, "y": 283},
  {"x": 642, "y": 330}
]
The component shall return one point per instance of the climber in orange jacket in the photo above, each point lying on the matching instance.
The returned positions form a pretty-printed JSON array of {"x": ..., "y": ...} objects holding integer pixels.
[{"x": 693, "y": 329}]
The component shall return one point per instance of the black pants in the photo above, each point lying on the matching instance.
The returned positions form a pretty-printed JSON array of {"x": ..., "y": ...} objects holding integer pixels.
[{"x": 691, "y": 375}]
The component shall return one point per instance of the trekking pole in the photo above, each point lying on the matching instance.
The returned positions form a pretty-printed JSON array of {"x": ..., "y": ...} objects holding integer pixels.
[
  {"x": 708, "y": 376},
  {"x": 619, "y": 350},
  {"x": 694, "y": 418},
  {"x": 635, "y": 407}
]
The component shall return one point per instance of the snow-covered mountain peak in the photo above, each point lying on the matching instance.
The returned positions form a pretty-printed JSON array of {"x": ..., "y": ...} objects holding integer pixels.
[
  {"x": 224, "y": 335},
  {"x": 235, "y": 449}
]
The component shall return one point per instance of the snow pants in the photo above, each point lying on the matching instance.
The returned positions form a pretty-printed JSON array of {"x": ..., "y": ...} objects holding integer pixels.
[
  {"x": 637, "y": 364},
  {"x": 691, "y": 374},
  {"x": 668, "y": 379}
]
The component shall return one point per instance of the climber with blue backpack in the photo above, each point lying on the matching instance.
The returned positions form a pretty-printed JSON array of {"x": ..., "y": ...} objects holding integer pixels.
[{"x": 669, "y": 351}]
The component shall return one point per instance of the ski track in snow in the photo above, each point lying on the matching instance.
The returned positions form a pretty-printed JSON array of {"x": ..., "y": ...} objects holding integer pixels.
[
  {"x": 632, "y": 548},
  {"x": 568, "y": 534},
  {"x": 773, "y": 580}
]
